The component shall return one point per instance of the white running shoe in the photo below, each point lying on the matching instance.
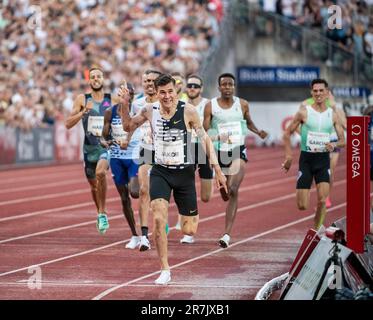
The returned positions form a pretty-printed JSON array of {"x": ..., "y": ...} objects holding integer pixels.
[
  {"x": 134, "y": 242},
  {"x": 224, "y": 241},
  {"x": 144, "y": 243},
  {"x": 178, "y": 226},
  {"x": 187, "y": 239},
  {"x": 164, "y": 278}
]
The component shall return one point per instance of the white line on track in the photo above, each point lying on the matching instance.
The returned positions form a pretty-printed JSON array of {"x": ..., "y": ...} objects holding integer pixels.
[
  {"x": 90, "y": 203},
  {"x": 284, "y": 226},
  {"x": 44, "y": 185},
  {"x": 40, "y": 175},
  {"x": 118, "y": 216},
  {"x": 105, "y": 284},
  {"x": 47, "y": 196}
]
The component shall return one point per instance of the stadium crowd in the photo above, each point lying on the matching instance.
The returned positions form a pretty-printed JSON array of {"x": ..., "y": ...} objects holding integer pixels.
[
  {"x": 44, "y": 62},
  {"x": 356, "y": 32}
]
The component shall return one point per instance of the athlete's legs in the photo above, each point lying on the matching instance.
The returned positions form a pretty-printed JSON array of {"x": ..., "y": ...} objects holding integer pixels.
[
  {"x": 93, "y": 185},
  {"x": 127, "y": 208},
  {"x": 322, "y": 193},
  {"x": 189, "y": 224},
  {"x": 206, "y": 189},
  {"x": 303, "y": 198},
  {"x": 134, "y": 187},
  {"x": 144, "y": 197},
  {"x": 102, "y": 167},
  {"x": 160, "y": 213},
  {"x": 233, "y": 182},
  {"x": 334, "y": 156}
]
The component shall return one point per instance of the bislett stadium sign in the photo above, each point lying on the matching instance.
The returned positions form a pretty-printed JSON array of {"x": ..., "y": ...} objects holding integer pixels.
[{"x": 267, "y": 75}]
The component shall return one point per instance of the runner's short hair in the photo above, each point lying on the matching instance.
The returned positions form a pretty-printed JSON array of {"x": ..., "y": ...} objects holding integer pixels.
[
  {"x": 163, "y": 80},
  {"x": 319, "y": 80},
  {"x": 226, "y": 75},
  {"x": 196, "y": 77}
]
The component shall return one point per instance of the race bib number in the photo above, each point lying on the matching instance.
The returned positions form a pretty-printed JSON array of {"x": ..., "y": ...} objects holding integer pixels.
[
  {"x": 95, "y": 125},
  {"x": 316, "y": 141},
  {"x": 233, "y": 132},
  {"x": 118, "y": 134},
  {"x": 169, "y": 153}
]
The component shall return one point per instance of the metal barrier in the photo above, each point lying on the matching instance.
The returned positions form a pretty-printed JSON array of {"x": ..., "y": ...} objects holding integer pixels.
[
  {"x": 312, "y": 44},
  {"x": 53, "y": 144}
]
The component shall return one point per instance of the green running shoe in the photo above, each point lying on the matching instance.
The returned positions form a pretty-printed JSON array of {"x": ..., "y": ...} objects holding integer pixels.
[
  {"x": 167, "y": 229},
  {"x": 102, "y": 223}
]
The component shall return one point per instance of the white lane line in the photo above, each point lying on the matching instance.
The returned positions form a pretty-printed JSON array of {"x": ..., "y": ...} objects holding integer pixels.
[
  {"x": 47, "y": 196},
  {"x": 43, "y": 185},
  {"x": 90, "y": 203},
  {"x": 259, "y": 204},
  {"x": 90, "y": 283},
  {"x": 39, "y": 175},
  {"x": 215, "y": 195},
  {"x": 284, "y": 226}
]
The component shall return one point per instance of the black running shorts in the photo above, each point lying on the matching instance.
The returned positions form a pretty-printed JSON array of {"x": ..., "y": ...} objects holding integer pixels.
[
  {"x": 181, "y": 182},
  {"x": 225, "y": 158},
  {"x": 201, "y": 161},
  {"x": 313, "y": 165}
]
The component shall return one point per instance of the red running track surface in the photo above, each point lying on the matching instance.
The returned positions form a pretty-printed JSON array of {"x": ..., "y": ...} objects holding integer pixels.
[{"x": 47, "y": 225}]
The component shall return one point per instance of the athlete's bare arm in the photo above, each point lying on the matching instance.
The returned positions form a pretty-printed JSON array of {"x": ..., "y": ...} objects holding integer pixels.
[
  {"x": 207, "y": 115},
  {"x": 107, "y": 123},
  {"x": 194, "y": 122},
  {"x": 340, "y": 134},
  {"x": 249, "y": 122},
  {"x": 297, "y": 120},
  {"x": 78, "y": 111},
  {"x": 130, "y": 124}
]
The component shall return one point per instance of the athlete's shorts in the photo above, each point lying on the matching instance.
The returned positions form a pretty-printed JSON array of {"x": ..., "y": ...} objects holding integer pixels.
[
  {"x": 226, "y": 158},
  {"x": 201, "y": 161},
  {"x": 313, "y": 165},
  {"x": 181, "y": 182},
  {"x": 90, "y": 166},
  {"x": 146, "y": 156},
  {"x": 123, "y": 170}
]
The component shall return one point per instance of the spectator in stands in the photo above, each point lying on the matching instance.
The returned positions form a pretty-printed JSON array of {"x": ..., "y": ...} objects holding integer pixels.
[
  {"x": 368, "y": 41},
  {"x": 123, "y": 37}
]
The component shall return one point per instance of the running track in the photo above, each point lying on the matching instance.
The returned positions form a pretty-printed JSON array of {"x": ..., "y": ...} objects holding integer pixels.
[{"x": 47, "y": 219}]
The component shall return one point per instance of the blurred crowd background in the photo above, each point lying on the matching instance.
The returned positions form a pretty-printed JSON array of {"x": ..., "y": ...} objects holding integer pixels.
[{"x": 42, "y": 68}]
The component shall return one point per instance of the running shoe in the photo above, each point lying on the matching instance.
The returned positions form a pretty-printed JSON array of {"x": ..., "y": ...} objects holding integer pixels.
[
  {"x": 144, "y": 243},
  {"x": 224, "y": 241},
  {"x": 178, "y": 226},
  {"x": 164, "y": 278},
  {"x": 167, "y": 229},
  {"x": 187, "y": 239},
  {"x": 134, "y": 242},
  {"x": 102, "y": 223}
]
